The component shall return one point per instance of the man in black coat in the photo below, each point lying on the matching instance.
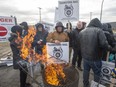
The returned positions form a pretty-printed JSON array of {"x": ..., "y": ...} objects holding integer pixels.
[
  {"x": 92, "y": 39},
  {"x": 76, "y": 46}
]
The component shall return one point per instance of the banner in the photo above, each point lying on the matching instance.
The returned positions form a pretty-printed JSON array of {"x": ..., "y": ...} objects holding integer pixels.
[
  {"x": 58, "y": 51},
  {"x": 6, "y": 23},
  {"x": 68, "y": 10},
  {"x": 106, "y": 71}
]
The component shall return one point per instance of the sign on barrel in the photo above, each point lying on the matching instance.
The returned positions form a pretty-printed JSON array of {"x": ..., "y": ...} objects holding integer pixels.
[{"x": 58, "y": 51}]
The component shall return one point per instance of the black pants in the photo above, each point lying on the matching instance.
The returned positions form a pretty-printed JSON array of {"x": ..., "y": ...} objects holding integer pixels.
[
  {"x": 77, "y": 53},
  {"x": 23, "y": 77}
]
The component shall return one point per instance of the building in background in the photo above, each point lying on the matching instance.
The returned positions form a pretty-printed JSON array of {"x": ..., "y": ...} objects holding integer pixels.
[{"x": 48, "y": 26}]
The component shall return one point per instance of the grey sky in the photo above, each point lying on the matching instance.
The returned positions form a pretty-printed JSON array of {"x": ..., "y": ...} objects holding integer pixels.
[{"x": 27, "y": 10}]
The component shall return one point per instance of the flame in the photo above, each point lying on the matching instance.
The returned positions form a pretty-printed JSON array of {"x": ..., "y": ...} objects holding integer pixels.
[
  {"x": 26, "y": 43},
  {"x": 18, "y": 40},
  {"x": 43, "y": 58},
  {"x": 54, "y": 74}
]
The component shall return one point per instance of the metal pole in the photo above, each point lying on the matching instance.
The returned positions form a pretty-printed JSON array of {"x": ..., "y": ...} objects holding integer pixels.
[
  {"x": 90, "y": 16},
  {"x": 101, "y": 10},
  {"x": 39, "y": 14}
]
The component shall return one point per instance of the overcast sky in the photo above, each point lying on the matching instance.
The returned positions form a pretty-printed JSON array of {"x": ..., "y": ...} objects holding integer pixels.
[{"x": 27, "y": 10}]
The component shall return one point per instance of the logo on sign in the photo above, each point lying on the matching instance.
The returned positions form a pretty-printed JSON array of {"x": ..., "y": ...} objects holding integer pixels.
[
  {"x": 106, "y": 72},
  {"x": 58, "y": 52},
  {"x": 68, "y": 10},
  {"x": 3, "y": 31}
]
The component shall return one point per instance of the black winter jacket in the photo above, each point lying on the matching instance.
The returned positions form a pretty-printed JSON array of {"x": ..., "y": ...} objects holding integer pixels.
[
  {"x": 16, "y": 54},
  {"x": 92, "y": 39},
  {"x": 75, "y": 38}
]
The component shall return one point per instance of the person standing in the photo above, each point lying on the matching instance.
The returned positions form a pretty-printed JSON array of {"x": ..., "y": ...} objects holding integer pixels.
[
  {"x": 59, "y": 35},
  {"x": 110, "y": 39},
  {"x": 15, "y": 45},
  {"x": 76, "y": 46},
  {"x": 25, "y": 28},
  {"x": 92, "y": 39},
  {"x": 40, "y": 38},
  {"x": 68, "y": 30}
]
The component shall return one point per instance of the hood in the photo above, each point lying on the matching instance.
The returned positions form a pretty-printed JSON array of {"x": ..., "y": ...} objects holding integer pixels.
[
  {"x": 95, "y": 23},
  {"x": 105, "y": 27},
  {"x": 59, "y": 24},
  {"x": 25, "y": 25},
  {"x": 110, "y": 28},
  {"x": 39, "y": 24},
  {"x": 16, "y": 29}
]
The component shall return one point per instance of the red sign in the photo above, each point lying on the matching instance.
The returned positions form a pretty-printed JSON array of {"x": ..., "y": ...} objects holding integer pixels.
[{"x": 3, "y": 31}]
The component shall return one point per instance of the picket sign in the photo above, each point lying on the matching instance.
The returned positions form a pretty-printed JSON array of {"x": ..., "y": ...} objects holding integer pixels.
[
  {"x": 95, "y": 84},
  {"x": 112, "y": 79},
  {"x": 60, "y": 52},
  {"x": 106, "y": 71}
]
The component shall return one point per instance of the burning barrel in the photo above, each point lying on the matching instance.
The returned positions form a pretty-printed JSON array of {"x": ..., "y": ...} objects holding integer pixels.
[{"x": 71, "y": 78}]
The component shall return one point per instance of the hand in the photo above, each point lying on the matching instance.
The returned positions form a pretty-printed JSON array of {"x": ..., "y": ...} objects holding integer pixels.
[
  {"x": 57, "y": 41},
  {"x": 68, "y": 30},
  {"x": 39, "y": 42}
]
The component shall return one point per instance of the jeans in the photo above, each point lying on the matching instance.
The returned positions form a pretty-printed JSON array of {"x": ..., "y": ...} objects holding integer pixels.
[{"x": 95, "y": 66}]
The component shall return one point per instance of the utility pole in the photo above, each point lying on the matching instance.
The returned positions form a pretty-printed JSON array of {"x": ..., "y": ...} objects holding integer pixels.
[
  {"x": 101, "y": 10},
  {"x": 39, "y": 14},
  {"x": 90, "y": 16}
]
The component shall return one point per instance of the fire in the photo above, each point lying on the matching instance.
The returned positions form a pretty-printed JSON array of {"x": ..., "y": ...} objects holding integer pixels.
[
  {"x": 18, "y": 40},
  {"x": 43, "y": 58},
  {"x": 26, "y": 43},
  {"x": 54, "y": 74}
]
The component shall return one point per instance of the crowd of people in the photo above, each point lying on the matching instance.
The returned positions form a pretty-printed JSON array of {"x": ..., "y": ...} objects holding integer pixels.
[{"x": 89, "y": 43}]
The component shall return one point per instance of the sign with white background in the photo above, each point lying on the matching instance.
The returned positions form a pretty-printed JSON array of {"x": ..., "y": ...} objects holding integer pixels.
[
  {"x": 6, "y": 23},
  {"x": 68, "y": 10},
  {"x": 58, "y": 51}
]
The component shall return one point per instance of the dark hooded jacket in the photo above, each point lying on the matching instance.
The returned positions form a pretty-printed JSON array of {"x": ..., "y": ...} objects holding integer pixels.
[
  {"x": 40, "y": 35},
  {"x": 109, "y": 35},
  {"x": 25, "y": 28},
  {"x": 92, "y": 39},
  {"x": 14, "y": 45}
]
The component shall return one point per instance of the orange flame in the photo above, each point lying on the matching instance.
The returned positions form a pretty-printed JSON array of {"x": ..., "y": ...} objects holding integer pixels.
[
  {"x": 18, "y": 40},
  {"x": 43, "y": 58},
  {"x": 54, "y": 74},
  {"x": 26, "y": 43}
]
